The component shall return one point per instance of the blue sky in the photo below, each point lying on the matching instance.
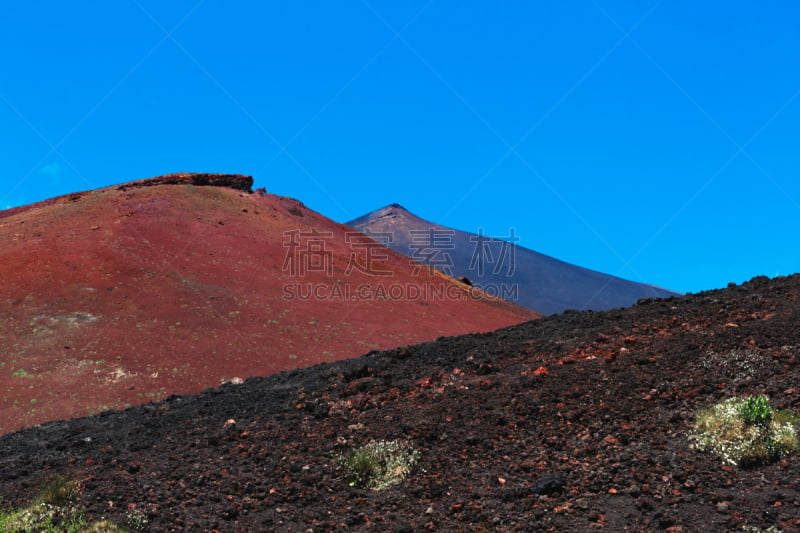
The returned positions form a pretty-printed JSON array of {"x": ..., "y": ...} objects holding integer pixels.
[{"x": 653, "y": 140}]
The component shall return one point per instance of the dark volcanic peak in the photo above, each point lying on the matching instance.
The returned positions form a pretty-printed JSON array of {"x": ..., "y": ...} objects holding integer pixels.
[
  {"x": 503, "y": 268},
  {"x": 570, "y": 423},
  {"x": 391, "y": 211}
]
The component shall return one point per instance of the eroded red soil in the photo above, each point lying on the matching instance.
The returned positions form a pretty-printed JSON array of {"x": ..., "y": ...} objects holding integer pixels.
[{"x": 128, "y": 294}]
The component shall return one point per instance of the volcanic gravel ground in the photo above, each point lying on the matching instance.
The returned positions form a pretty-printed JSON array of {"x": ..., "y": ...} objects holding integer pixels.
[{"x": 569, "y": 423}]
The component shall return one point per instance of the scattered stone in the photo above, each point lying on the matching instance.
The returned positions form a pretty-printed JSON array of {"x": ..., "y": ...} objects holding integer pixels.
[
  {"x": 645, "y": 504},
  {"x": 549, "y": 484},
  {"x": 582, "y": 503}
]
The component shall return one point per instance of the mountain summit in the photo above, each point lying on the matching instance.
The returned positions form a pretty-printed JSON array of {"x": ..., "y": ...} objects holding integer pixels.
[{"x": 500, "y": 267}]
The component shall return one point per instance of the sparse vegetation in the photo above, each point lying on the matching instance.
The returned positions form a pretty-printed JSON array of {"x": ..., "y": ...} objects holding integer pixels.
[
  {"x": 50, "y": 510},
  {"x": 754, "y": 529},
  {"x": 746, "y": 431},
  {"x": 104, "y": 526},
  {"x": 379, "y": 464},
  {"x": 136, "y": 519},
  {"x": 58, "y": 490},
  {"x": 53, "y": 511},
  {"x": 44, "y": 517},
  {"x": 738, "y": 364}
]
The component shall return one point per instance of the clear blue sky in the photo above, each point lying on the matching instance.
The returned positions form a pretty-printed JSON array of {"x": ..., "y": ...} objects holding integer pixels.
[{"x": 654, "y": 140}]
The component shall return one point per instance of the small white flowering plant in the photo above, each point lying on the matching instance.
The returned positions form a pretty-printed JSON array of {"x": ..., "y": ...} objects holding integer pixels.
[
  {"x": 745, "y": 431},
  {"x": 379, "y": 464}
]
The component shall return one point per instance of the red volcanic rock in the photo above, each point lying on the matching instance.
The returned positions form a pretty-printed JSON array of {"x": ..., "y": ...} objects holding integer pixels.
[{"x": 127, "y": 294}]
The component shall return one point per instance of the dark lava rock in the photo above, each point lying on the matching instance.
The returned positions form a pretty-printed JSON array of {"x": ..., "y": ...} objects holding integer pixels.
[
  {"x": 491, "y": 445},
  {"x": 232, "y": 181},
  {"x": 549, "y": 484}
]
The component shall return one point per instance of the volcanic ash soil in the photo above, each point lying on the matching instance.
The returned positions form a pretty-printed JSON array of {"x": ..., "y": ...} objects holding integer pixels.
[{"x": 575, "y": 422}]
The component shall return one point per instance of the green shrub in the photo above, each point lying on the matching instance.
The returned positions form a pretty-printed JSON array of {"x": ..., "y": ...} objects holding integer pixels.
[
  {"x": 756, "y": 410},
  {"x": 745, "y": 431},
  {"x": 58, "y": 491},
  {"x": 379, "y": 464}
]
